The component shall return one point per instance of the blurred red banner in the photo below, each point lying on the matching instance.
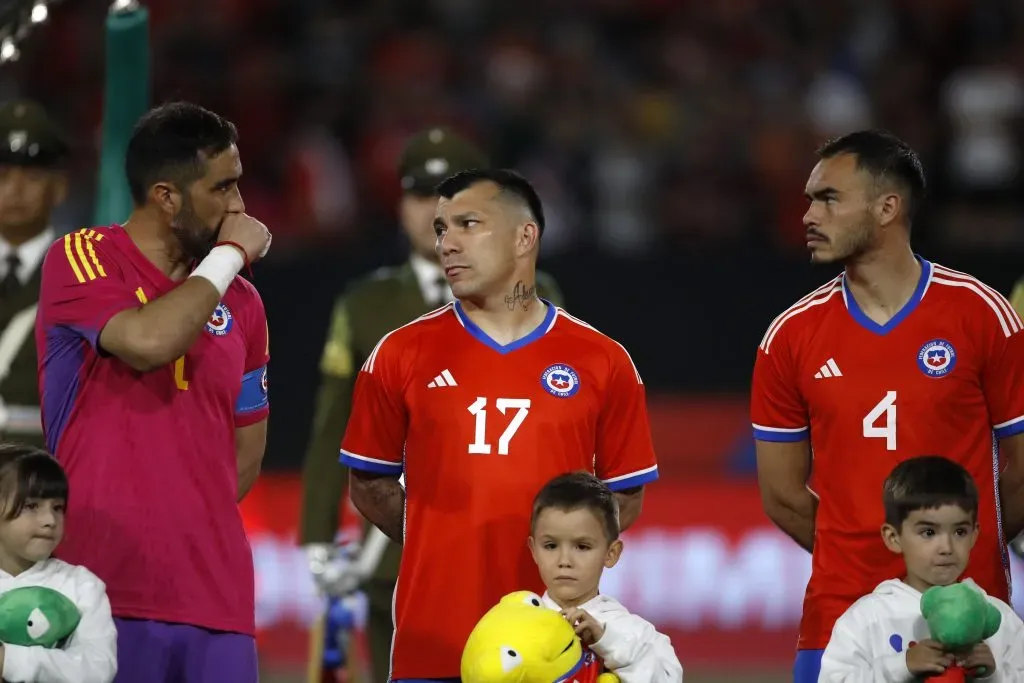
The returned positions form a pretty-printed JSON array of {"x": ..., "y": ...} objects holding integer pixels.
[{"x": 703, "y": 563}]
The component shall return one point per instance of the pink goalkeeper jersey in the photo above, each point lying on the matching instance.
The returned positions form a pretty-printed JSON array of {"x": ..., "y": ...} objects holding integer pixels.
[{"x": 150, "y": 456}]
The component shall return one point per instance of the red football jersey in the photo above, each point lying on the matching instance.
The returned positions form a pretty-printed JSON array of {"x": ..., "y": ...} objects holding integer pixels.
[
  {"x": 590, "y": 670},
  {"x": 477, "y": 429},
  {"x": 150, "y": 456},
  {"x": 943, "y": 377}
]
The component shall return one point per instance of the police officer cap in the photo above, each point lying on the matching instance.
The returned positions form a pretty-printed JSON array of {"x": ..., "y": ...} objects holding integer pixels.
[
  {"x": 433, "y": 155},
  {"x": 28, "y": 137}
]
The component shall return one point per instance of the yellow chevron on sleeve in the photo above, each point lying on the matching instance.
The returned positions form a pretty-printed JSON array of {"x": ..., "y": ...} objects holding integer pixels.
[
  {"x": 92, "y": 257},
  {"x": 82, "y": 259},
  {"x": 141, "y": 296},
  {"x": 82, "y": 256},
  {"x": 71, "y": 259}
]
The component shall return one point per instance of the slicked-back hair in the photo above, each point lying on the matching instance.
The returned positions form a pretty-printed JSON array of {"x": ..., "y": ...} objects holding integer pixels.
[
  {"x": 888, "y": 159},
  {"x": 172, "y": 142},
  {"x": 507, "y": 180}
]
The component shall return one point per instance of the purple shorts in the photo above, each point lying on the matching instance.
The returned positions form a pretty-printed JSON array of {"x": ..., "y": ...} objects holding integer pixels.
[{"x": 158, "y": 652}]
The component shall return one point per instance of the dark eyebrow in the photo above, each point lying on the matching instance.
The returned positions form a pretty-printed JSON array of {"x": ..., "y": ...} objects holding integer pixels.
[
  {"x": 463, "y": 217},
  {"x": 226, "y": 183},
  {"x": 823, "y": 193}
]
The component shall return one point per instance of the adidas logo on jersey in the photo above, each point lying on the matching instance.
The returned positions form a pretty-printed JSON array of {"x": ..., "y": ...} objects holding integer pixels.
[
  {"x": 829, "y": 369},
  {"x": 445, "y": 379}
]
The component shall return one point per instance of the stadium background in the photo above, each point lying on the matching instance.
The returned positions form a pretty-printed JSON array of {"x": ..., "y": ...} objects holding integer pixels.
[{"x": 670, "y": 140}]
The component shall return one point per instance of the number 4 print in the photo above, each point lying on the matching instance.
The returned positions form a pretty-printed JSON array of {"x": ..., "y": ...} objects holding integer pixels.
[
  {"x": 887, "y": 408},
  {"x": 478, "y": 410}
]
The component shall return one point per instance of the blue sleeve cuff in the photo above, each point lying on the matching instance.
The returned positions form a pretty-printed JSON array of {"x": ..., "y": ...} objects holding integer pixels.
[
  {"x": 359, "y": 462},
  {"x": 253, "y": 395},
  {"x": 780, "y": 434},
  {"x": 628, "y": 481},
  {"x": 1009, "y": 428}
]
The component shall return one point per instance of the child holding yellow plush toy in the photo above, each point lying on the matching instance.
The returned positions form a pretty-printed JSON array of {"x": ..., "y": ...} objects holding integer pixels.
[
  {"x": 572, "y": 634},
  {"x": 574, "y": 537}
]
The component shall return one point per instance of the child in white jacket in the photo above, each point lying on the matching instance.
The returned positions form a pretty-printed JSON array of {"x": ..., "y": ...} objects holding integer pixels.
[
  {"x": 33, "y": 496},
  {"x": 931, "y": 510},
  {"x": 574, "y": 537}
]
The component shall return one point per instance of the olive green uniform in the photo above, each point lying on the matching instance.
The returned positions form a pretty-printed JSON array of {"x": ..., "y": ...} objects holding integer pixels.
[
  {"x": 1017, "y": 297},
  {"x": 27, "y": 139},
  {"x": 366, "y": 311}
]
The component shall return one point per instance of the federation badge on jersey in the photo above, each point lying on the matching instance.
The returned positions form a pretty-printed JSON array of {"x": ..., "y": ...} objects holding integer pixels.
[
  {"x": 560, "y": 380},
  {"x": 221, "y": 321},
  {"x": 936, "y": 358}
]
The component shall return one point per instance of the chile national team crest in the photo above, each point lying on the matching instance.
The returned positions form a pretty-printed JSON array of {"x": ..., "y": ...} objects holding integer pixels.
[
  {"x": 936, "y": 358},
  {"x": 560, "y": 380},
  {"x": 221, "y": 321}
]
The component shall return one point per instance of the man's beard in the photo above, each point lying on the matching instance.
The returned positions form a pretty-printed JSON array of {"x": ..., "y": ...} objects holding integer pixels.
[
  {"x": 195, "y": 237},
  {"x": 852, "y": 245},
  {"x": 858, "y": 242}
]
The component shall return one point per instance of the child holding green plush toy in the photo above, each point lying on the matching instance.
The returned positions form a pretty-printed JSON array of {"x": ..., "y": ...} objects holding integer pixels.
[
  {"x": 55, "y": 621},
  {"x": 928, "y": 626}
]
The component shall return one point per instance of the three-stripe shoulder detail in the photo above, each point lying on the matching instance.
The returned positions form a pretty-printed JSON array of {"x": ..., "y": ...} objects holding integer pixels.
[
  {"x": 816, "y": 298},
  {"x": 82, "y": 257},
  {"x": 573, "y": 319},
  {"x": 371, "y": 360},
  {"x": 1009, "y": 321}
]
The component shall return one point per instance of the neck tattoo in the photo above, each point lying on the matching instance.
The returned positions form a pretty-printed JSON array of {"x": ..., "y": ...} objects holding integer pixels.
[{"x": 521, "y": 296}]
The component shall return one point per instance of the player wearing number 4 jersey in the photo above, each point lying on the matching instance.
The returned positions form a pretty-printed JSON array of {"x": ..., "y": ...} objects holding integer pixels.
[
  {"x": 479, "y": 404},
  {"x": 894, "y": 358},
  {"x": 153, "y": 380}
]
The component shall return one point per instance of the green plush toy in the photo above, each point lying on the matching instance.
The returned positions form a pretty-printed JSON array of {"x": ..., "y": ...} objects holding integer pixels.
[
  {"x": 35, "y": 615},
  {"x": 959, "y": 616}
]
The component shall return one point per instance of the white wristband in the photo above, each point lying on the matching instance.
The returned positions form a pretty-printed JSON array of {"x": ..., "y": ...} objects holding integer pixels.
[{"x": 220, "y": 267}]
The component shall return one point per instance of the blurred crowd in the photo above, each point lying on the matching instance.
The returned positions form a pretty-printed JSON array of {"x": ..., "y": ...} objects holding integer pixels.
[
  {"x": 646, "y": 123},
  {"x": 670, "y": 140}
]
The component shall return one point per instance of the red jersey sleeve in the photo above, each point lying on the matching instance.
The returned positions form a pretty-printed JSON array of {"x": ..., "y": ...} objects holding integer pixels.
[
  {"x": 624, "y": 455},
  {"x": 82, "y": 286},
  {"x": 1002, "y": 374},
  {"x": 375, "y": 435},
  {"x": 777, "y": 410},
  {"x": 253, "y": 403}
]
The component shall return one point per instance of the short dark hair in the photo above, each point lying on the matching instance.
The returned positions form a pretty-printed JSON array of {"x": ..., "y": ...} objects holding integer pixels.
[
  {"x": 28, "y": 472},
  {"x": 579, "y": 491},
  {"x": 507, "y": 180},
  {"x": 887, "y": 158},
  {"x": 172, "y": 142},
  {"x": 925, "y": 483}
]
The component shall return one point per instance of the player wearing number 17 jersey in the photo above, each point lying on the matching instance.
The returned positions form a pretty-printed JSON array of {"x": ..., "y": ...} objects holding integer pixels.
[
  {"x": 479, "y": 404},
  {"x": 895, "y": 358}
]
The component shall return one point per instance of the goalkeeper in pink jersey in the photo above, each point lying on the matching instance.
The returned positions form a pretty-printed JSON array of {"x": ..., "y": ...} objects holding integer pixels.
[{"x": 152, "y": 372}]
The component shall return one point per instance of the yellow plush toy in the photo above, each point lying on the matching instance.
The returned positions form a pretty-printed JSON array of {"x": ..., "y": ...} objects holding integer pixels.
[{"x": 520, "y": 640}]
